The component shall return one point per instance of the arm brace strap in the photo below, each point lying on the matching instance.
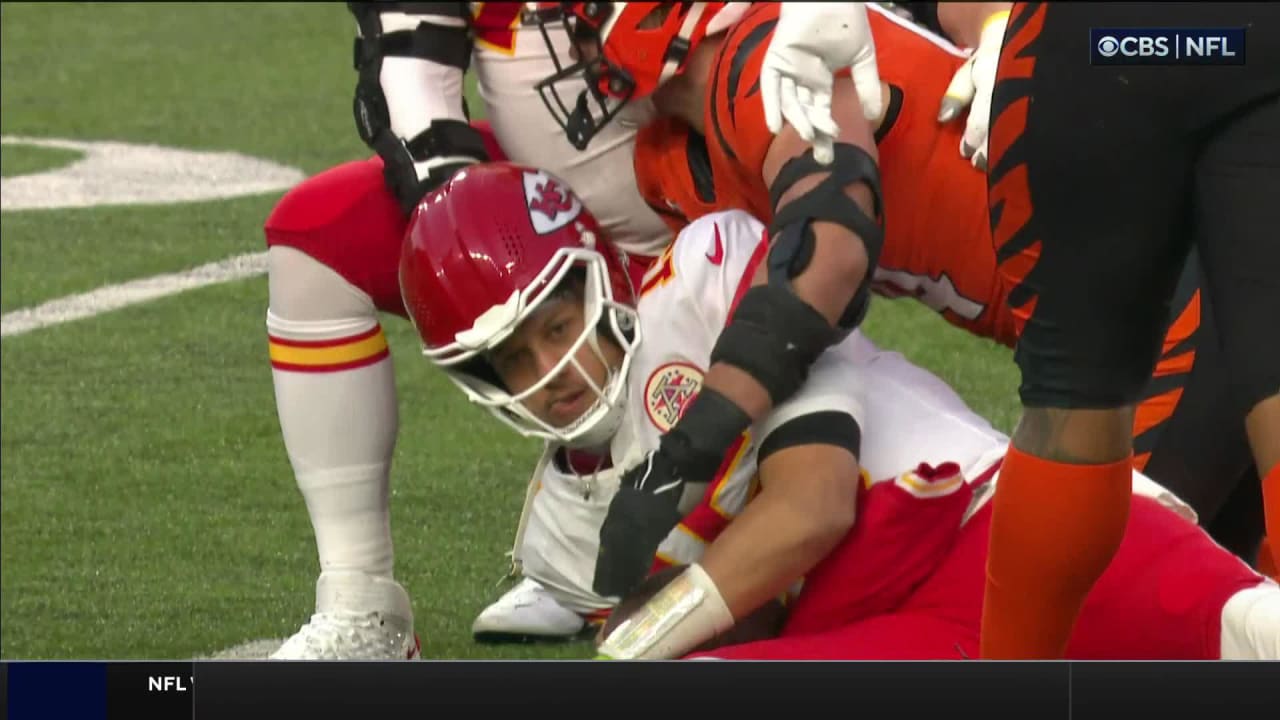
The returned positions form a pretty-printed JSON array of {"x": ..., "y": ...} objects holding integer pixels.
[
  {"x": 792, "y": 229},
  {"x": 705, "y": 431},
  {"x": 775, "y": 336},
  {"x": 825, "y": 427},
  {"x": 826, "y": 202}
]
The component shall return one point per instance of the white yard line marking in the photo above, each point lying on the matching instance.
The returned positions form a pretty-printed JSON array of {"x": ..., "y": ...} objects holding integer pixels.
[
  {"x": 120, "y": 173},
  {"x": 114, "y": 297}
]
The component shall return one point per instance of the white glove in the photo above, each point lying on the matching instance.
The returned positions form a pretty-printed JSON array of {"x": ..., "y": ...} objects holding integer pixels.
[
  {"x": 811, "y": 42},
  {"x": 972, "y": 86}
]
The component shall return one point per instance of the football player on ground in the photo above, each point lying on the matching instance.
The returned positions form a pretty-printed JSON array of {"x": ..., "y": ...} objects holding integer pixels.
[
  {"x": 825, "y": 236},
  {"x": 333, "y": 246},
  {"x": 907, "y": 583},
  {"x": 938, "y": 239},
  {"x": 529, "y": 311}
]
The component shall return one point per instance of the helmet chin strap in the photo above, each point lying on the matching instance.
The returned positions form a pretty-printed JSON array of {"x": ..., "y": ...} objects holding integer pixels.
[{"x": 686, "y": 31}]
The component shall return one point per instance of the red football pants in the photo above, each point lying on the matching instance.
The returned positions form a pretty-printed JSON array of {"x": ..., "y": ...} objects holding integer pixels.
[{"x": 1161, "y": 598}]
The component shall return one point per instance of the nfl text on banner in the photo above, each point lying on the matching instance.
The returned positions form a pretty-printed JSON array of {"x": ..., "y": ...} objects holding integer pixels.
[{"x": 1166, "y": 46}]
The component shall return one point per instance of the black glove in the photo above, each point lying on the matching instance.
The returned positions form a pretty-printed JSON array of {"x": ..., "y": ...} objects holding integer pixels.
[
  {"x": 640, "y": 516},
  {"x": 644, "y": 510}
]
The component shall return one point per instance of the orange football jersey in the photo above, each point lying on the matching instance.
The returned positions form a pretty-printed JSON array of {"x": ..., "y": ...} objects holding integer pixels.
[{"x": 937, "y": 234}]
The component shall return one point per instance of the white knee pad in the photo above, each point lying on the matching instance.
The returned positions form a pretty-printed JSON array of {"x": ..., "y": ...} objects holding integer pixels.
[{"x": 304, "y": 290}]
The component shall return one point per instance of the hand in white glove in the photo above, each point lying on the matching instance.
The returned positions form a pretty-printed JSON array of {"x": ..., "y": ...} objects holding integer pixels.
[
  {"x": 810, "y": 43},
  {"x": 972, "y": 86}
]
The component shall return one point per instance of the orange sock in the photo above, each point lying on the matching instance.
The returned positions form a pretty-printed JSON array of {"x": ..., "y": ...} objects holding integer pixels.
[{"x": 1055, "y": 527}]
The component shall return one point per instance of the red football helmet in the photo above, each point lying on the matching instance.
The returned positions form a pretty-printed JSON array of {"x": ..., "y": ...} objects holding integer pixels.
[
  {"x": 638, "y": 46},
  {"x": 480, "y": 254}
]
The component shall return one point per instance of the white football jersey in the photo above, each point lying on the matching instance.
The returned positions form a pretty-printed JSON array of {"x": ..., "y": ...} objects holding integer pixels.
[
  {"x": 908, "y": 415},
  {"x": 509, "y": 59},
  {"x": 914, "y": 417},
  {"x": 684, "y": 304}
]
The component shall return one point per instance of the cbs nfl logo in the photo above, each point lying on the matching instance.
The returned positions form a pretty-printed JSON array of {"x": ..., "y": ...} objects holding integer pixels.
[{"x": 1166, "y": 46}]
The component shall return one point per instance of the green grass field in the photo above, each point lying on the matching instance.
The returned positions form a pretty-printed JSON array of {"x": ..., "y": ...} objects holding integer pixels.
[{"x": 148, "y": 509}]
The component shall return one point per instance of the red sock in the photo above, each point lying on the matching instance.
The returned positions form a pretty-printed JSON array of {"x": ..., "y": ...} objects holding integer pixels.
[
  {"x": 1054, "y": 529},
  {"x": 1271, "y": 506},
  {"x": 1266, "y": 562}
]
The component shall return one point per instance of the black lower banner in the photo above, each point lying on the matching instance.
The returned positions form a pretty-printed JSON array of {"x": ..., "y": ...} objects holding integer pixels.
[
  {"x": 144, "y": 689},
  {"x": 907, "y": 690},
  {"x": 217, "y": 690}
]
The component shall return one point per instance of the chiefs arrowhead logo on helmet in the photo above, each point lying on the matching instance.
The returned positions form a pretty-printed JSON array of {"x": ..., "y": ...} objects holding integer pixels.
[{"x": 551, "y": 204}]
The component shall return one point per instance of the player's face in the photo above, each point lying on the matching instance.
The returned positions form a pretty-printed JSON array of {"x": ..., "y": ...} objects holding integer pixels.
[{"x": 538, "y": 345}]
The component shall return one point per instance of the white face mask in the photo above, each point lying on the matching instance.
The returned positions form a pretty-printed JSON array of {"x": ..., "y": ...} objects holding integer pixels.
[{"x": 597, "y": 424}]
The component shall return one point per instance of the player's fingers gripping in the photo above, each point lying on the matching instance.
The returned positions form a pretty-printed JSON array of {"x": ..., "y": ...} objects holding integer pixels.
[
  {"x": 770, "y": 95},
  {"x": 866, "y": 81},
  {"x": 824, "y": 150},
  {"x": 789, "y": 102},
  {"x": 982, "y": 78},
  {"x": 819, "y": 112},
  {"x": 804, "y": 98},
  {"x": 978, "y": 124},
  {"x": 959, "y": 93},
  {"x": 975, "y": 131}
]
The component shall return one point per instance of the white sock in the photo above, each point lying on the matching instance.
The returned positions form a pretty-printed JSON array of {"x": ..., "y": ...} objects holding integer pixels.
[
  {"x": 336, "y": 400},
  {"x": 1251, "y": 624}
]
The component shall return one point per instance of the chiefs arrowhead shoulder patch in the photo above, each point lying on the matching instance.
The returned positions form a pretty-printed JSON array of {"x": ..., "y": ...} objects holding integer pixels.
[{"x": 669, "y": 390}]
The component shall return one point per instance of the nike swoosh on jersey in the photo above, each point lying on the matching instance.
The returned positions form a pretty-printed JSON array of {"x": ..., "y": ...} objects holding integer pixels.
[{"x": 717, "y": 256}]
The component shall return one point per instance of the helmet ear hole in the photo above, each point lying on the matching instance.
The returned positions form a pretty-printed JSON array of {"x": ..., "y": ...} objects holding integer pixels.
[
  {"x": 604, "y": 331},
  {"x": 481, "y": 369}
]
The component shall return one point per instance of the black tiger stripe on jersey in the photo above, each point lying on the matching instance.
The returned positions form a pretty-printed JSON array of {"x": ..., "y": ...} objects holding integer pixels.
[
  {"x": 715, "y": 116},
  {"x": 738, "y": 62},
  {"x": 748, "y": 39},
  {"x": 699, "y": 161}
]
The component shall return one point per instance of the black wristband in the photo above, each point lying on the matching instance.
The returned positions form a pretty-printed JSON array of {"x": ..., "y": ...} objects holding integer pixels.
[{"x": 699, "y": 440}]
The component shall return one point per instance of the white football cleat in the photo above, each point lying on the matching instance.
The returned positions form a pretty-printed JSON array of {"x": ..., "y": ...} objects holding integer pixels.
[
  {"x": 358, "y": 617},
  {"x": 527, "y": 613}
]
